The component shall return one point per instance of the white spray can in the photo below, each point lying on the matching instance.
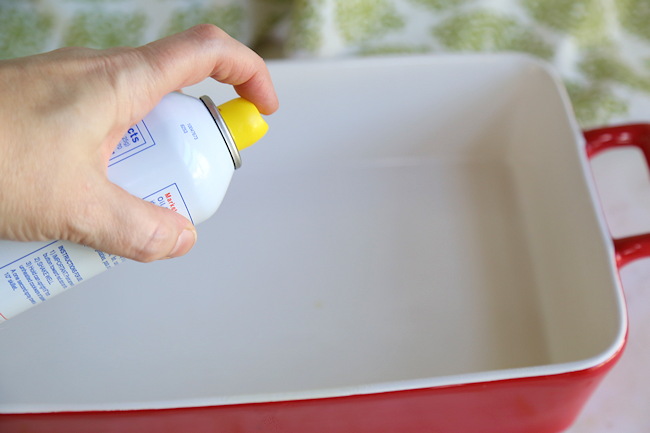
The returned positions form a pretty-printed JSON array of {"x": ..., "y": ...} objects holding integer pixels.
[{"x": 181, "y": 156}]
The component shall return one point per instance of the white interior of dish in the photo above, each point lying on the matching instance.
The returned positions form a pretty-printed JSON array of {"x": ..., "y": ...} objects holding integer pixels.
[{"x": 407, "y": 222}]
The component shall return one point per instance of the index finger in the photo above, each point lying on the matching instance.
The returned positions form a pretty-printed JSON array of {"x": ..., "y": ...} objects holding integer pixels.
[{"x": 203, "y": 51}]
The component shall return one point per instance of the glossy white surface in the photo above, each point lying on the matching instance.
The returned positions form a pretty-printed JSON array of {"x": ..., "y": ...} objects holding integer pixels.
[{"x": 385, "y": 234}]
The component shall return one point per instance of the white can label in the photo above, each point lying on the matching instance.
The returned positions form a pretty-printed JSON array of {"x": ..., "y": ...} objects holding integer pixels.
[
  {"x": 43, "y": 270},
  {"x": 136, "y": 139},
  {"x": 47, "y": 271},
  {"x": 171, "y": 198}
]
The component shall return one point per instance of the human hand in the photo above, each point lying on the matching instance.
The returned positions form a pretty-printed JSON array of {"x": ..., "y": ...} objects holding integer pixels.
[{"x": 61, "y": 115}]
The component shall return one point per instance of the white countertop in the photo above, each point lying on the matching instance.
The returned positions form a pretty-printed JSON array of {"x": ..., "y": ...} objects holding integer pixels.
[{"x": 622, "y": 402}]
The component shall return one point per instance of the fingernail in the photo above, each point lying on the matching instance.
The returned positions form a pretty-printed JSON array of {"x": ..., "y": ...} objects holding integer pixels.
[{"x": 184, "y": 243}]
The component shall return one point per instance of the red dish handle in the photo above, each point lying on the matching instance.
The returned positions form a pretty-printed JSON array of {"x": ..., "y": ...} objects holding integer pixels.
[{"x": 637, "y": 135}]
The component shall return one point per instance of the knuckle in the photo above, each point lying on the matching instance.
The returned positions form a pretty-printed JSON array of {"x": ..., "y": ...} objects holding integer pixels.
[{"x": 209, "y": 32}]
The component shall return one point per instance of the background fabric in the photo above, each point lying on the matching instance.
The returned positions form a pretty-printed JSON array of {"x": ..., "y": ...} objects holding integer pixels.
[{"x": 601, "y": 47}]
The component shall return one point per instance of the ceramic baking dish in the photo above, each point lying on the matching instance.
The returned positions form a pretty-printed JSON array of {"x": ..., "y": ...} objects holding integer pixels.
[{"x": 416, "y": 246}]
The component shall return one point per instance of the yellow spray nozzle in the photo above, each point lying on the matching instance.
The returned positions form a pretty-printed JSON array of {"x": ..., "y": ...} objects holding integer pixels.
[{"x": 244, "y": 122}]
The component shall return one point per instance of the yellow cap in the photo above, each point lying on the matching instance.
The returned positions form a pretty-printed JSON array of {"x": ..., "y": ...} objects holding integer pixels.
[{"x": 243, "y": 121}]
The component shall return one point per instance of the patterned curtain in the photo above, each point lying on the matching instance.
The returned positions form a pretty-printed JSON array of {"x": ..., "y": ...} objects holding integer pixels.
[{"x": 600, "y": 47}]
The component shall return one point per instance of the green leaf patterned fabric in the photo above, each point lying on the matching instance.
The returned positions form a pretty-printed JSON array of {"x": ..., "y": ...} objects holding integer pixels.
[
  {"x": 361, "y": 20},
  {"x": 230, "y": 17},
  {"x": 635, "y": 16},
  {"x": 23, "y": 31},
  {"x": 489, "y": 32},
  {"x": 104, "y": 29},
  {"x": 600, "y": 47}
]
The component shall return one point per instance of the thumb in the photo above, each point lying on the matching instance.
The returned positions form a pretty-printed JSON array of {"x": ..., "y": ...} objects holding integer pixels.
[{"x": 122, "y": 224}]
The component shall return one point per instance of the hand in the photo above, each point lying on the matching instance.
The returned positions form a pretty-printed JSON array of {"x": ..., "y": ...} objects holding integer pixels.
[{"x": 62, "y": 114}]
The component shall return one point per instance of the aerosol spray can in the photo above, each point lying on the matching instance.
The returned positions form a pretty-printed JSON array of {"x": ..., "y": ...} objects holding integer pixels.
[{"x": 181, "y": 156}]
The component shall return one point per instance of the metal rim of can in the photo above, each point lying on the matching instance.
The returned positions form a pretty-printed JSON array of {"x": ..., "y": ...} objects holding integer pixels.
[{"x": 223, "y": 128}]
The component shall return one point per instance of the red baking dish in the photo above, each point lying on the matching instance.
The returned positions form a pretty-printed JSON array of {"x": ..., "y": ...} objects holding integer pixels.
[{"x": 416, "y": 246}]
